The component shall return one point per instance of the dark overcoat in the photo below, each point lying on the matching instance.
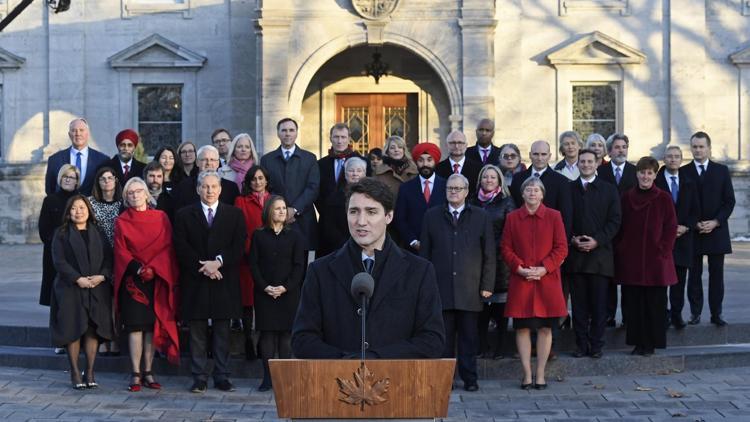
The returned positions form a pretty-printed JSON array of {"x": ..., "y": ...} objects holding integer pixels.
[
  {"x": 136, "y": 169},
  {"x": 627, "y": 181},
  {"x": 498, "y": 208},
  {"x": 333, "y": 224},
  {"x": 474, "y": 153},
  {"x": 556, "y": 193},
  {"x": 411, "y": 206},
  {"x": 464, "y": 255},
  {"x": 596, "y": 213},
  {"x": 470, "y": 170},
  {"x": 298, "y": 181},
  {"x": 73, "y": 309},
  {"x": 202, "y": 297},
  {"x": 50, "y": 218},
  {"x": 404, "y": 317},
  {"x": 62, "y": 157},
  {"x": 716, "y": 195},
  {"x": 687, "y": 209},
  {"x": 276, "y": 260},
  {"x": 185, "y": 193},
  {"x": 328, "y": 182}
]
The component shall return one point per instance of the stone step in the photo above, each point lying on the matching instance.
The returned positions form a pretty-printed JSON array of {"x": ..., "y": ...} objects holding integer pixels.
[
  {"x": 613, "y": 363},
  {"x": 702, "y": 334}
]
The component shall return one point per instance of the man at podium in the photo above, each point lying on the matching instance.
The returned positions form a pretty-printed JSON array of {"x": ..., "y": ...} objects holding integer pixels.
[{"x": 404, "y": 315}]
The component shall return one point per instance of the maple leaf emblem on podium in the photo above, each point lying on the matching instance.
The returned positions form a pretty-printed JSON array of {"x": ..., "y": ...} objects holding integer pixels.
[{"x": 363, "y": 390}]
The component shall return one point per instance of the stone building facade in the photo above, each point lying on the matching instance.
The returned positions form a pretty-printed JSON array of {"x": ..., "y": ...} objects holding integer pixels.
[{"x": 657, "y": 70}]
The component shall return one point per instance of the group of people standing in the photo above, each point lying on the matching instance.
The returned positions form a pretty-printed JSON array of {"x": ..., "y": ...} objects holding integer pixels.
[{"x": 201, "y": 237}]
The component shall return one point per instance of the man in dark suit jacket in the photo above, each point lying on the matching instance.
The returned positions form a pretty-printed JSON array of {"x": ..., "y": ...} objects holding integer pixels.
[
  {"x": 404, "y": 307},
  {"x": 458, "y": 162},
  {"x": 123, "y": 164},
  {"x": 484, "y": 151},
  {"x": 687, "y": 207},
  {"x": 185, "y": 193},
  {"x": 459, "y": 241},
  {"x": 79, "y": 154},
  {"x": 153, "y": 175},
  {"x": 295, "y": 175},
  {"x": 590, "y": 263},
  {"x": 209, "y": 240},
  {"x": 556, "y": 186},
  {"x": 622, "y": 174},
  {"x": 716, "y": 195},
  {"x": 419, "y": 194}
]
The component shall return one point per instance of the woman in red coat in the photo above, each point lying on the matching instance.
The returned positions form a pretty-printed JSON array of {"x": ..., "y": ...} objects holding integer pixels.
[
  {"x": 643, "y": 259},
  {"x": 255, "y": 192},
  {"x": 145, "y": 277},
  {"x": 534, "y": 246}
]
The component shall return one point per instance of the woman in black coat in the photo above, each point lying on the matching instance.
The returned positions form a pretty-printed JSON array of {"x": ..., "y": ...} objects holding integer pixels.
[
  {"x": 277, "y": 260},
  {"x": 50, "y": 218},
  {"x": 494, "y": 198},
  {"x": 81, "y": 300},
  {"x": 334, "y": 228}
]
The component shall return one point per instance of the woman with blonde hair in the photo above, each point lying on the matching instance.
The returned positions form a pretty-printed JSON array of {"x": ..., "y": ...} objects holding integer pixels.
[
  {"x": 398, "y": 166},
  {"x": 240, "y": 158}
]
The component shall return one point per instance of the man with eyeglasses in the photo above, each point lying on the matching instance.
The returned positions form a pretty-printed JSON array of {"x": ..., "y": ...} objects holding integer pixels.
[
  {"x": 185, "y": 193},
  {"x": 221, "y": 138},
  {"x": 123, "y": 163},
  {"x": 458, "y": 239},
  {"x": 484, "y": 151},
  {"x": 458, "y": 162},
  {"x": 79, "y": 154}
]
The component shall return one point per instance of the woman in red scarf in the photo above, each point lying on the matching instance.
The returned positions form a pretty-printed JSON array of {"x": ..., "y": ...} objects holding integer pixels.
[
  {"x": 145, "y": 277},
  {"x": 255, "y": 192},
  {"x": 240, "y": 158}
]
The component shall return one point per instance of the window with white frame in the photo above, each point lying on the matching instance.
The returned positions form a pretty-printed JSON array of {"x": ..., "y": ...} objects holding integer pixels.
[
  {"x": 595, "y": 108},
  {"x": 159, "y": 111}
]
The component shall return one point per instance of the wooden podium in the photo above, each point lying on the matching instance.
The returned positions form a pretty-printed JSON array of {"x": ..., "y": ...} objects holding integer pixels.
[{"x": 342, "y": 389}]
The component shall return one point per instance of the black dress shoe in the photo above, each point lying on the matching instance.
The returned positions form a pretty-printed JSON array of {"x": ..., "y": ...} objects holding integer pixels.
[
  {"x": 528, "y": 386},
  {"x": 678, "y": 323},
  {"x": 596, "y": 355},
  {"x": 579, "y": 353},
  {"x": 538, "y": 386},
  {"x": 265, "y": 385},
  {"x": 637, "y": 350},
  {"x": 647, "y": 351},
  {"x": 611, "y": 322},
  {"x": 471, "y": 386},
  {"x": 694, "y": 320},
  {"x": 199, "y": 387},
  {"x": 718, "y": 321},
  {"x": 224, "y": 385}
]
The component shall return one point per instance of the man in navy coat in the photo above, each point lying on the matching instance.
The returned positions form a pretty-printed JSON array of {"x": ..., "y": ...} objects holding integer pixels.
[
  {"x": 484, "y": 152},
  {"x": 418, "y": 195},
  {"x": 404, "y": 319},
  {"x": 79, "y": 154},
  {"x": 716, "y": 195},
  {"x": 123, "y": 163}
]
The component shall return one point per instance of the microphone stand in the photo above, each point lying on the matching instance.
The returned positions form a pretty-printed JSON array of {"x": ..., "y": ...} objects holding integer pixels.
[{"x": 363, "y": 299}]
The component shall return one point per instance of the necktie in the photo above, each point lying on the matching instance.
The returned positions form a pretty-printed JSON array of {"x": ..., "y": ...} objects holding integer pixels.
[
  {"x": 210, "y": 217},
  {"x": 455, "y": 218},
  {"x": 701, "y": 166},
  {"x": 369, "y": 264},
  {"x": 339, "y": 164},
  {"x": 485, "y": 155},
  {"x": 127, "y": 170},
  {"x": 618, "y": 175},
  {"x": 585, "y": 186},
  {"x": 675, "y": 188},
  {"x": 427, "y": 191},
  {"x": 78, "y": 164},
  {"x": 537, "y": 175},
  {"x": 455, "y": 168},
  {"x": 287, "y": 154}
]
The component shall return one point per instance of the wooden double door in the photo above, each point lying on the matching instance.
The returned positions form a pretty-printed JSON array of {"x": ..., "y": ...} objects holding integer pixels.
[{"x": 372, "y": 118}]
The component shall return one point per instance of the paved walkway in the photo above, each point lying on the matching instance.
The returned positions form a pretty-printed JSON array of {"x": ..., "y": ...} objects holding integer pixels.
[
  {"x": 23, "y": 274},
  {"x": 27, "y": 394}
]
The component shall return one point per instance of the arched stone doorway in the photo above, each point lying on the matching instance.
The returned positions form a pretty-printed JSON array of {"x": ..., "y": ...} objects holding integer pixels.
[{"x": 411, "y": 101}]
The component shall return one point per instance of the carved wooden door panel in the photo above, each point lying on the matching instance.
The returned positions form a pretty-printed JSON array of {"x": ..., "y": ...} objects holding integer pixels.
[{"x": 374, "y": 117}]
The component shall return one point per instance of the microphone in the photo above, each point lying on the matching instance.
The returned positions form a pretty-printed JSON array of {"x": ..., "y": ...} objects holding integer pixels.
[
  {"x": 362, "y": 284},
  {"x": 362, "y": 287}
]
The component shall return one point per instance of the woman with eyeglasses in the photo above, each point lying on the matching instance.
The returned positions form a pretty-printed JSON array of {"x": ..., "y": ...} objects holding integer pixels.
[
  {"x": 81, "y": 299},
  {"x": 510, "y": 162},
  {"x": 145, "y": 276},
  {"x": 50, "y": 218},
  {"x": 186, "y": 159}
]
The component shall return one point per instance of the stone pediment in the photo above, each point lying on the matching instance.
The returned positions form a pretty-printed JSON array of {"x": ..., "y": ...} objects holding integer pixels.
[
  {"x": 157, "y": 52},
  {"x": 741, "y": 57},
  {"x": 9, "y": 60},
  {"x": 596, "y": 48}
]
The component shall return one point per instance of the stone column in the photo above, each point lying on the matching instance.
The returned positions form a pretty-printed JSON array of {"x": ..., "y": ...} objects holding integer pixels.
[{"x": 478, "y": 65}]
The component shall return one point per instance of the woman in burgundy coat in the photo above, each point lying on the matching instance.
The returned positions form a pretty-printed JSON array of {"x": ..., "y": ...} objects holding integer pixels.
[
  {"x": 534, "y": 246},
  {"x": 643, "y": 259},
  {"x": 255, "y": 192}
]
